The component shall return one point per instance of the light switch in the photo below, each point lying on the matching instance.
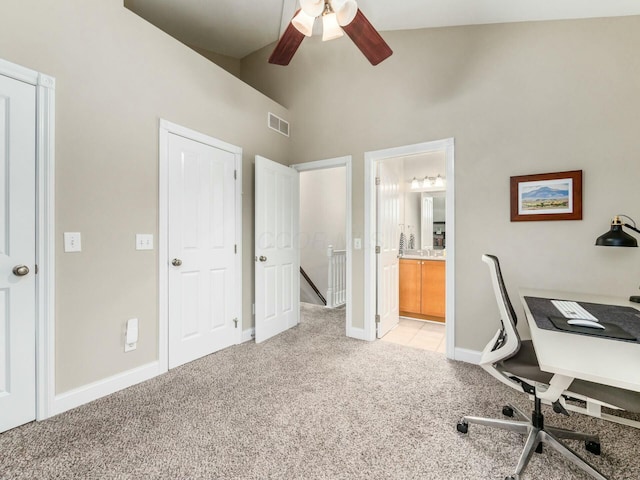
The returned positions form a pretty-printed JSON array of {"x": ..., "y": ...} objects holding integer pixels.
[
  {"x": 72, "y": 242},
  {"x": 357, "y": 243},
  {"x": 144, "y": 241}
]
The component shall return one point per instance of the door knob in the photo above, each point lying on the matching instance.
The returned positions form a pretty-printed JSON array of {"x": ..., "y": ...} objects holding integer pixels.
[
  {"x": 176, "y": 262},
  {"x": 20, "y": 270},
  {"x": 262, "y": 258}
]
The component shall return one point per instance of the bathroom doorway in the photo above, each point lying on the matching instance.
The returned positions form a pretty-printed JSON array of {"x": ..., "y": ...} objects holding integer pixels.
[{"x": 425, "y": 239}]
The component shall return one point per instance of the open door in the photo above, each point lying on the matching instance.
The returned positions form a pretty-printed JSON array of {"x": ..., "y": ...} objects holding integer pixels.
[
  {"x": 388, "y": 235},
  {"x": 277, "y": 253}
]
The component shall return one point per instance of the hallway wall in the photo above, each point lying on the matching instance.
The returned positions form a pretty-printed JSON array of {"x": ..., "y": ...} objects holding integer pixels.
[{"x": 322, "y": 221}]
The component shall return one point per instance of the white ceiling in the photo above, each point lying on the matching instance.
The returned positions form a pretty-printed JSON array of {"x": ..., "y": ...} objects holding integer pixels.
[{"x": 239, "y": 27}]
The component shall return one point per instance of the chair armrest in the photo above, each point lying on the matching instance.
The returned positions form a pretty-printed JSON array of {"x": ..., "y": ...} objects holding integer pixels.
[{"x": 557, "y": 385}]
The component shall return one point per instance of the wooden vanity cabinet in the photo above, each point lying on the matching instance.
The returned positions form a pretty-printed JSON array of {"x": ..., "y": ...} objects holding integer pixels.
[
  {"x": 422, "y": 289},
  {"x": 433, "y": 288},
  {"x": 410, "y": 285}
]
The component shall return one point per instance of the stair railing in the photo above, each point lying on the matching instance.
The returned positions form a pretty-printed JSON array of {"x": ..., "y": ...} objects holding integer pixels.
[{"x": 313, "y": 286}]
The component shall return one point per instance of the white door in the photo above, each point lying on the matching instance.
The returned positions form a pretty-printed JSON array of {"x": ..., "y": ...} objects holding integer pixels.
[
  {"x": 201, "y": 246},
  {"x": 277, "y": 268},
  {"x": 388, "y": 235},
  {"x": 17, "y": 253}
]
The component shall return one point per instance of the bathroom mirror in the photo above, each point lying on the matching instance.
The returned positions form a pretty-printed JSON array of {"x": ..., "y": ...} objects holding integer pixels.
[
  {"x": 412, "y": 222},
  {"x": 424, "y": 218},
  {"x": 432, "y": 220}
]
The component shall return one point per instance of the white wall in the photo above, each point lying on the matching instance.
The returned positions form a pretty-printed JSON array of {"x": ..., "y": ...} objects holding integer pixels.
[{"x": 322, "y": 220}]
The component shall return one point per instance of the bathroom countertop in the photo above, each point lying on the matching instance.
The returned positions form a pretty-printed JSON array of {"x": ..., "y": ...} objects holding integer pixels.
[{"x": 424, "y": 257}]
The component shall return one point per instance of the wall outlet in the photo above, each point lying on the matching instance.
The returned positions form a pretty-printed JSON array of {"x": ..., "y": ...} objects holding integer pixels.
[
  {"x": 357, "y": 243},
  {"x": 72, "y": 242},
  {"x": 144, "y": 241}
]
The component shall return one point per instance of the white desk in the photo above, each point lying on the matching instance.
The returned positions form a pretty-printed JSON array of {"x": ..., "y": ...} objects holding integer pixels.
[{"x": 596, "y": 359}]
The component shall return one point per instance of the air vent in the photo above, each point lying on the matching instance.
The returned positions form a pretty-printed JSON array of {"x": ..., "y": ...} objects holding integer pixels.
[{"x": 278, "y": 124}]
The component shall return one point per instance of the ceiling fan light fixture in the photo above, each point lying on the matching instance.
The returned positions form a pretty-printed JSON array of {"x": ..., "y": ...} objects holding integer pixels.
[
  {"x": 345, "y": 10},
  {"x": 330, "y": 27},
  {"x": 355, "y": 24},
  {"x": 313, "y": 8},
  {"x": 303, "y": 23}
]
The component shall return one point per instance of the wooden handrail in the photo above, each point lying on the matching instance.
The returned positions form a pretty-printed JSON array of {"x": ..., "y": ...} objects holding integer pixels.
[{"x": 313, "y": 285}]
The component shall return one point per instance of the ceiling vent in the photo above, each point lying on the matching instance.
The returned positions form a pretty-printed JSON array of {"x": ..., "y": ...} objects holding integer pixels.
[{"x": 278, "y": 124}]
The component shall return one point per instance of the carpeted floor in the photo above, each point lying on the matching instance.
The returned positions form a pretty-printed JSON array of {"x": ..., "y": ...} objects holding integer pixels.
[{"x": 308, "y": 404}]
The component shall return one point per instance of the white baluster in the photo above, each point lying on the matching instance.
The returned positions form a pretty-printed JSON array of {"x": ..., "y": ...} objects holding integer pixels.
[
  {"x": 343, "y": 278},
  {"x": 337, "y": 277},
  {"x": 330, "y": 279}
]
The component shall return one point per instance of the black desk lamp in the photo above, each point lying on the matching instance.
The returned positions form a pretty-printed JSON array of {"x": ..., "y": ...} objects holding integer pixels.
[{"x": 616, "y": 237}]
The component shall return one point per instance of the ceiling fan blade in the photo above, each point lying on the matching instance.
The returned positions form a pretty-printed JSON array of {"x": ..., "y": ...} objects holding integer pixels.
[
  {"x": 367, "y": 39},
  {"x": 287, "y": 46}
]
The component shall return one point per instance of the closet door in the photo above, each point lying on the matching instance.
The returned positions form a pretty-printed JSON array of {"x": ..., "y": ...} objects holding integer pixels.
[
  {"x": 202, "y": 245},
  {"x": 17, "y": 253}
]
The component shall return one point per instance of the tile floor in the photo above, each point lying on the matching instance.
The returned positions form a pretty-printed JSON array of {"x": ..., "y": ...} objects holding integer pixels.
[{"x": 418, "y": 334}]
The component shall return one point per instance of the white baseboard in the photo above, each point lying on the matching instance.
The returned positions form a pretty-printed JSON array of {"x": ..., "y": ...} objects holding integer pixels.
[
  {"x": 248, "y": 335},
  {"x": 93, "y": 391},
  {"x": 469, "y": 356},
  {"x": 358, "y": 333}
]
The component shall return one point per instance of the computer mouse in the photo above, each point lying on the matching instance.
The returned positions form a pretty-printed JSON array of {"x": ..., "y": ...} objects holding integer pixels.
[{"x": 581, "y": 322}]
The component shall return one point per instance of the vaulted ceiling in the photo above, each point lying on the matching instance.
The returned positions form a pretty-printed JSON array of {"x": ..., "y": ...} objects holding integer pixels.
[{"x": 236, "y": 28}]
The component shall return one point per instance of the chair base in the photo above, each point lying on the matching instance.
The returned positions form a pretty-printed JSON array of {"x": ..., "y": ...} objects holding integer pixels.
[{"x": 537, "y": 434}]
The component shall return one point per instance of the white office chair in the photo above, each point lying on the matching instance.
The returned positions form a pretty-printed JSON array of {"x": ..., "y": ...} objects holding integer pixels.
[{"x": 514, "y": 363}]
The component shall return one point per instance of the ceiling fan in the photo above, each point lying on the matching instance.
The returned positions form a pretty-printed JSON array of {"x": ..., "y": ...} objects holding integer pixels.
[{"x": 338, "y": 16}]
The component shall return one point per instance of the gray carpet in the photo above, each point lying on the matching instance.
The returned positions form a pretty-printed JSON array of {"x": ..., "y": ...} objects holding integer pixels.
[{"x": 308, "y": 404}]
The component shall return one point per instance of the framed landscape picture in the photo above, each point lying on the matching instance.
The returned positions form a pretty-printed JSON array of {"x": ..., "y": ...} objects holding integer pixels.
[{"x": 547, "y": 196}]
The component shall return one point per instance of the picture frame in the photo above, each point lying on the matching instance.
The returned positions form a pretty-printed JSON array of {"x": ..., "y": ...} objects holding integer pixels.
[{"x": 547, "y": 196}]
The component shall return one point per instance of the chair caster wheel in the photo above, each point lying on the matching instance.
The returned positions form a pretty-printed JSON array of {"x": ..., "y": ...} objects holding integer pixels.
[
  {"x": 593, "y": 447},
  {"x": 507, "y": 411},
  {"x": 510, "y": 477},
  {"x": 462, "y": 427}
]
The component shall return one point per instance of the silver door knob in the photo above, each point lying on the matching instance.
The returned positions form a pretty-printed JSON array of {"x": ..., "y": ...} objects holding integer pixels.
[
  {"x": 20, "y": 270},
  {"x": 262, "y": 258},
  {"x": 176, "y": 262}
]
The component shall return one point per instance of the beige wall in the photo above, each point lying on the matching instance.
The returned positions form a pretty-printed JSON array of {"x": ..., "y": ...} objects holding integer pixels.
[
  {"x": 117, "y": 75},
  {"x": 322, "y": 221},
  {"x": 230, "y": 64},
  {"x": 518, "y": 99}
]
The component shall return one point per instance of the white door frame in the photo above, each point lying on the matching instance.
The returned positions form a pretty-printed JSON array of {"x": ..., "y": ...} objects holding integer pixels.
[
  {"x": 333, "y": 163},
  {"x": 45, "y": 232},
  {"x": 370, "y": 232},
  {"x": 167, "y": 128}
]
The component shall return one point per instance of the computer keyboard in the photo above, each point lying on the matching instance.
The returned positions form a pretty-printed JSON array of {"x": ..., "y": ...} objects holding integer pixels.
[{"x": 572, "y": 310}]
